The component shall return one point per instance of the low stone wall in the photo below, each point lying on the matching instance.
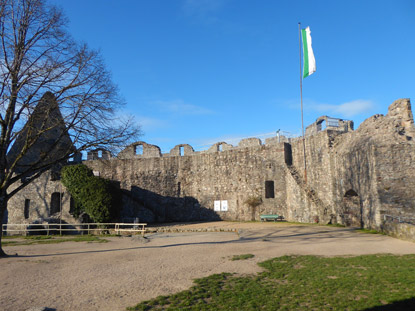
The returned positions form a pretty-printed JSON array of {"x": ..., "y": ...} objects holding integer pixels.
[{"x": 400, "y": 230}]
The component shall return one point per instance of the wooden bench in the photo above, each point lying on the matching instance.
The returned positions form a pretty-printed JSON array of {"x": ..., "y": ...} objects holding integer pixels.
[
  {"x": 271, "y": 217},
  {"x": 130, "y": 228}
]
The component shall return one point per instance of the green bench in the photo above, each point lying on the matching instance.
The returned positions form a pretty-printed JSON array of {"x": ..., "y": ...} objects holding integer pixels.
[{"x": 271, "y": 217}]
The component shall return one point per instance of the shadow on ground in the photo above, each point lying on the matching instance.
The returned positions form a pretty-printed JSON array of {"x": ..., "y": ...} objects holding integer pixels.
[
  {"x": 244, "y": 236},
  {"x": 402, "y": 305}
]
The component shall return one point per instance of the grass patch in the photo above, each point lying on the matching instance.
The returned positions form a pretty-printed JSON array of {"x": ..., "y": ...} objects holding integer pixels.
[
  {"x": 47, "y": 239},
  {"x": 336, "y": 225},
  {"x": 374, "y": 282},
  {"x": 8, "y": 237},
  {"x": 38, "y": 237},
  {"x": 242, "y": 257},
  {"x": 9, "y": 243}
]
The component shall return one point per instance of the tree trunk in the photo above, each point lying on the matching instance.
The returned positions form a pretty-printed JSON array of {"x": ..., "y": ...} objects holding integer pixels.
[{"x": 3, "y": 208}]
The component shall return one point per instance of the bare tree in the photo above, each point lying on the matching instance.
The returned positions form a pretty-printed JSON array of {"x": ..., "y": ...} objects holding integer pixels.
[{"x": 56, "y": 97}]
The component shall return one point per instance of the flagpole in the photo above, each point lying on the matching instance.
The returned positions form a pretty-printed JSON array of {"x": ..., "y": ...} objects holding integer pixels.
[{"x": 301, "y": 96}]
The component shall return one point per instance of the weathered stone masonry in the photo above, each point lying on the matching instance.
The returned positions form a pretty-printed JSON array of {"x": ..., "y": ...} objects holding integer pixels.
[
  {"x": 177, "y": 188},
  {"x": 358, "y": 178}
]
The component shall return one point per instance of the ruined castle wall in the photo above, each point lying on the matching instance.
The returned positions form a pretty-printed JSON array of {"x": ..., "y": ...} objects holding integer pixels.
[
  {"x": 355, "y": 192},
  {"x": 186, "y": 187},
  {"x": 382, "y": 176},
  {"x": 360, "y": 178},
  {"x": 376, "y": 161},
  {"x": 39, "y": 194},
  {"x": 140, "y": 150},
  {"x": 396, "y": 179},
  {"x": 310, "y": 199},
  {"x": 355, "y": 178}
]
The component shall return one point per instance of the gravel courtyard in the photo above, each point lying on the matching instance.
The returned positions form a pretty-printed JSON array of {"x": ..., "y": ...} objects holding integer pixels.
[{"x": 112, "y": 276}]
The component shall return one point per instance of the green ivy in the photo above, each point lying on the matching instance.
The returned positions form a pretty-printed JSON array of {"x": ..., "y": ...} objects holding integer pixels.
[{"x": 93, "y": 195}]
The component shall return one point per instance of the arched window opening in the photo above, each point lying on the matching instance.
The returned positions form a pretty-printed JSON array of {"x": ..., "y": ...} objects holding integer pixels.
[
  {"x": 350, "y": 193},
  {"x": 139, "y": 150},
  {"x": 55, "y": 175}
]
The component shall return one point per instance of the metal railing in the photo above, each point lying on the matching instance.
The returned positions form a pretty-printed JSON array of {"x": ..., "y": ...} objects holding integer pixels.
[{"x": 84, "y": 228}]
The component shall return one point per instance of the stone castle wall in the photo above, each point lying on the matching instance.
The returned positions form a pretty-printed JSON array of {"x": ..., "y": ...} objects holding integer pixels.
[
  {"x": 359, "y": 178},
  {"x": 177, "y": 188},
  {"x": 41, "y": 201}
]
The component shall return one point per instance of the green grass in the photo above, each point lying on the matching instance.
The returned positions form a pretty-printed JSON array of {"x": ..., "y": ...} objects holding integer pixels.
[
  {"x": 37, "y": 237},
  {"x": 242, "y": 257},
  {"x": 335, "y": 225},
  {"x": 47, "y": 239},
  {"x": 375, "y": 282}
]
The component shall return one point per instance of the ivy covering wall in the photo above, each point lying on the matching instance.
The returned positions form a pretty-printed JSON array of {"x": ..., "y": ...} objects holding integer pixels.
[{"x": 95, "y": 196}]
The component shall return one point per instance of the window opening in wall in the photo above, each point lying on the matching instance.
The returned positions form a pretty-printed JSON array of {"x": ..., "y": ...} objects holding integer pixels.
[
  {"x": 179, "y": 186},
  {"x": 181, "y": 150},
  {"x": 323, "y": 125},
  {"x": 350, "y": 193},
  {"x": 99, "y": 153},
  {"x": 139, "y": 150},
  {"x": 220, "y": 147},
  {"x": 26, "y": 208},
  {"x": 55, "y": 203},
  {"x": 54, "y": 175},
  {"x": 269, "y": 189}
]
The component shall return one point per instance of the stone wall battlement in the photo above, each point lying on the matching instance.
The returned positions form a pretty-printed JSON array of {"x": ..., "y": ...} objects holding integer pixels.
[{"x": 141, "y": 149}]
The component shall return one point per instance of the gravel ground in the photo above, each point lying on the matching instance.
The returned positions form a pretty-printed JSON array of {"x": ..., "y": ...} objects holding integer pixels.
[{"x": 112, "y": 276}]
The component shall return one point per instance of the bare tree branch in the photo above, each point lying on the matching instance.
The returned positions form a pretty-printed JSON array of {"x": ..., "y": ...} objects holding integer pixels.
[{"x": 56, "y": 96}]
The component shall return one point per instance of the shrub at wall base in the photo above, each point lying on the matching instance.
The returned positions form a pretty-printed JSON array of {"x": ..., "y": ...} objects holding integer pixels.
[{"x": 92, "y": 195}]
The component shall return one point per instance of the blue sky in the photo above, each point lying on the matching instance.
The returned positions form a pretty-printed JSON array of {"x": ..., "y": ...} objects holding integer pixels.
[{"x": 204, "y": 71}]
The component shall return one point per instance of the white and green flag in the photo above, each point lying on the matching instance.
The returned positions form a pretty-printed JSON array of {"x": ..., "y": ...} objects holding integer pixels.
[{"x": 309, "y": 60}]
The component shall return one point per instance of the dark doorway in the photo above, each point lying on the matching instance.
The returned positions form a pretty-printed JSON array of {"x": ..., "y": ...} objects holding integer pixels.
[{"x": 352, "y": 211}]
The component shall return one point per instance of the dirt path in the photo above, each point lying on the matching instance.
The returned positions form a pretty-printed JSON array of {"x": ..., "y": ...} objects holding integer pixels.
[{"x": 112, "y": 276}]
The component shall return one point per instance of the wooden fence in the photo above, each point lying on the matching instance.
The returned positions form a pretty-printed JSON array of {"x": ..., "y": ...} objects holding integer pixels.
[{"x": 85, "y": 228}]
